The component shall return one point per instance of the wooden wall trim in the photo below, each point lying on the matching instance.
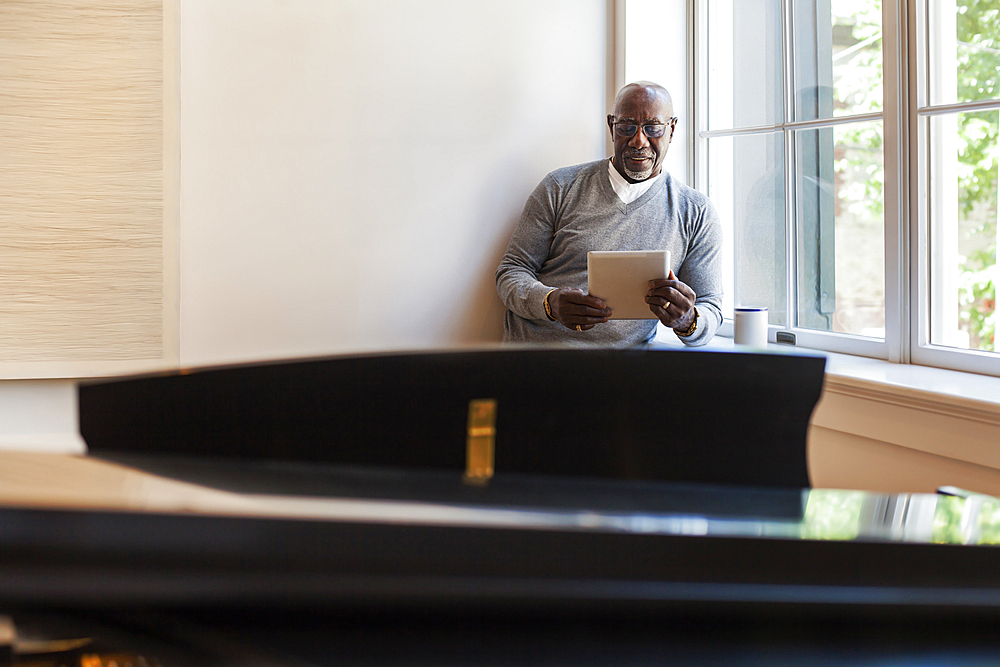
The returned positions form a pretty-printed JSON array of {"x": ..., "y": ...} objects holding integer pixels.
[{"x": 963, "y": 434}]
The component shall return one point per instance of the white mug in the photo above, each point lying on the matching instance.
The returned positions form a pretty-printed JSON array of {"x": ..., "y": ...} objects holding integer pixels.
[{"x": 750, "y": 327}]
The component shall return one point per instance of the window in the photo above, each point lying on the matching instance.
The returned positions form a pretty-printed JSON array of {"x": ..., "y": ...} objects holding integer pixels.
[
  {"x": 790, "y": 141},
  {"x": 956, "y": 138},
  {"x": 851, "y": 148}
]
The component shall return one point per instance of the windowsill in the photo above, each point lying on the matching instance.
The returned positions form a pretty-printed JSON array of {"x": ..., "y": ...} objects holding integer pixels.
[{"x": 938, "y": 390}]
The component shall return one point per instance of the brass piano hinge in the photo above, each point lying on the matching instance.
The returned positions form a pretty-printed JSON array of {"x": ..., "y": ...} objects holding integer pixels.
[{"x": 480, "y": 439}]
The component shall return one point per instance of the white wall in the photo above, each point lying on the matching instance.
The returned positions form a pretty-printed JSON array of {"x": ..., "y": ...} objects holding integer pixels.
[
  {"x": 351, "y": 171},
  {"x": 656, "y": 50},
  {"x": 39, "y": 415}
]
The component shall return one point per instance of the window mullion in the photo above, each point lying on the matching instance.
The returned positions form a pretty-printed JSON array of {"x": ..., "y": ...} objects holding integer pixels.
[
  {"x": 895, "y": 160},
  {"x": 694, "y": 69},
  {"x": 791, "y": 235},
  {"x": 791, "y": 238},
  {"x": 919, "y": 320}
]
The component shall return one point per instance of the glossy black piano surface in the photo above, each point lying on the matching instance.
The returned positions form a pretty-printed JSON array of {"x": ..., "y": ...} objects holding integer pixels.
[
  {"x": 669, "y": 415},
  {"x": 392, "y": 536},
  {"x": 332, "y": 565},
  {"x": 639, "y": 477},
  {"x": 317, "y": 514}
]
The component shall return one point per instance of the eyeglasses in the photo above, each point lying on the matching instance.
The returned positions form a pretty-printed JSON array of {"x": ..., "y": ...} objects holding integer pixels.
[{"x": 651, "y": 130}]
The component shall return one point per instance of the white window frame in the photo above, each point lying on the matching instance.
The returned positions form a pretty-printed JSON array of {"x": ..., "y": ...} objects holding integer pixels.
[
  {"x": 890, "y": 347},
  {"x": 905, "y": 118},
  {"x": 920, "y": 112}
]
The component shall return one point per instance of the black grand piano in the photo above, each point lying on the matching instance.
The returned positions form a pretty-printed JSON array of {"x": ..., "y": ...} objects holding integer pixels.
[{"x": 511, "y": 506}]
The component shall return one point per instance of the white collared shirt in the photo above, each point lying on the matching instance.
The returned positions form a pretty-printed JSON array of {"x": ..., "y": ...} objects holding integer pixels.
[{"x": 629, "y": 192}]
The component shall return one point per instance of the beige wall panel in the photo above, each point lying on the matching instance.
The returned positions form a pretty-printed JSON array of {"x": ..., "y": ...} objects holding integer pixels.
[
  {"x": 847, "y": 461},
  {"x": 81, "y": 185},
  {"x": 953, "y": 429}
]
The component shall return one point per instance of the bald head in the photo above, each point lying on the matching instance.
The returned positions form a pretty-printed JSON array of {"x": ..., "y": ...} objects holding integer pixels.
[{"x": 645, "y": 89}]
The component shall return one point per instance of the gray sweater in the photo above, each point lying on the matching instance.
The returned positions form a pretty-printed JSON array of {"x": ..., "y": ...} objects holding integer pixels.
[{"x": 575, "y": 210}]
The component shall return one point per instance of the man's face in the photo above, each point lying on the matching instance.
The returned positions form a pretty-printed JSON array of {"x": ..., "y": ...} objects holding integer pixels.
[{"x": 640, "y": 157}]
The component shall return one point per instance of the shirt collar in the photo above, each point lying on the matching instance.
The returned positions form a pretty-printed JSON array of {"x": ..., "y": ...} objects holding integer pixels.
[{"x": 629, "y": 192}]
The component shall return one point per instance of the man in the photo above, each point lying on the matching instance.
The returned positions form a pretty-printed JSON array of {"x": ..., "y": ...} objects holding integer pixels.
[{"x": 628, "y": 203}]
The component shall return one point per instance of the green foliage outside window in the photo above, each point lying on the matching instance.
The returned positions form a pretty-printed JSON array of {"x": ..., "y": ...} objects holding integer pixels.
[
  {"x": 978, "y": 68},
  {"x": 974, "y": 520},
  {"x": 832, "y": 514}
]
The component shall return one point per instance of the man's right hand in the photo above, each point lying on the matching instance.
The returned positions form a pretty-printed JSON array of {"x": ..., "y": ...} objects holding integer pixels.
[{"x": 574, "y": 308}]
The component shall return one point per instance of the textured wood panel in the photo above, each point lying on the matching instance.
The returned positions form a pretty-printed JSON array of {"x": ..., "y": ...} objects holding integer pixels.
[{"x": 81, "y": 180}]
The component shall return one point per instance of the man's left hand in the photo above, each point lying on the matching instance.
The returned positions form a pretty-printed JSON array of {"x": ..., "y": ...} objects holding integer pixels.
[{"x": 672, "y": 302}]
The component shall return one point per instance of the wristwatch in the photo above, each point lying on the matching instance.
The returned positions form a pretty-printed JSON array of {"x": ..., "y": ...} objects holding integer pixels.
[{"x": 691, "y": 329}]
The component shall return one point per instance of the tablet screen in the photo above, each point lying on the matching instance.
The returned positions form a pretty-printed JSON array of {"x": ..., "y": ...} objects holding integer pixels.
[{"x": 621, "y": 279}]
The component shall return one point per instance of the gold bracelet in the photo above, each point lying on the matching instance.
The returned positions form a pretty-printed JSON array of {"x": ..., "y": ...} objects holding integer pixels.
[
  {"x": 548, "y": 311},
  {"x": 691, "y": 329}
]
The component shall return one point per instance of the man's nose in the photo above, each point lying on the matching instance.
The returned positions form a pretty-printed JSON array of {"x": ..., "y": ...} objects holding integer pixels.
[{"x": 638, "y": 139}]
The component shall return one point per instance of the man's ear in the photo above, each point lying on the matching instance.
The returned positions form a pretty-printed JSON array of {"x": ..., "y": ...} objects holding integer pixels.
[{"x": 611, "y": 125}]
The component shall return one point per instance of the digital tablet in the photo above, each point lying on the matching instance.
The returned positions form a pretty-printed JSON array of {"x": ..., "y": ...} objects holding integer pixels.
[{"x": 621, "y": 279}]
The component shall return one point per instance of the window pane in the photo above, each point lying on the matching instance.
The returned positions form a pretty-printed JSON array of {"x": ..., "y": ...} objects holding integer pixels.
[
  {"x": 837, "y": 58},
  {"x": 965, "y": 50},
  {"x": 744, "y": 63},
  {"x": 963, "y": 229},
  {"x": 747, "y": 186},
  {"x": 841, "y": 275}
]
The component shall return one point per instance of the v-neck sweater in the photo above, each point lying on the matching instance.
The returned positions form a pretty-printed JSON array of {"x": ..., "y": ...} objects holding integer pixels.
[
  {"x": 629, "y": 192},
  {"x": 575, "y": 210}
]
